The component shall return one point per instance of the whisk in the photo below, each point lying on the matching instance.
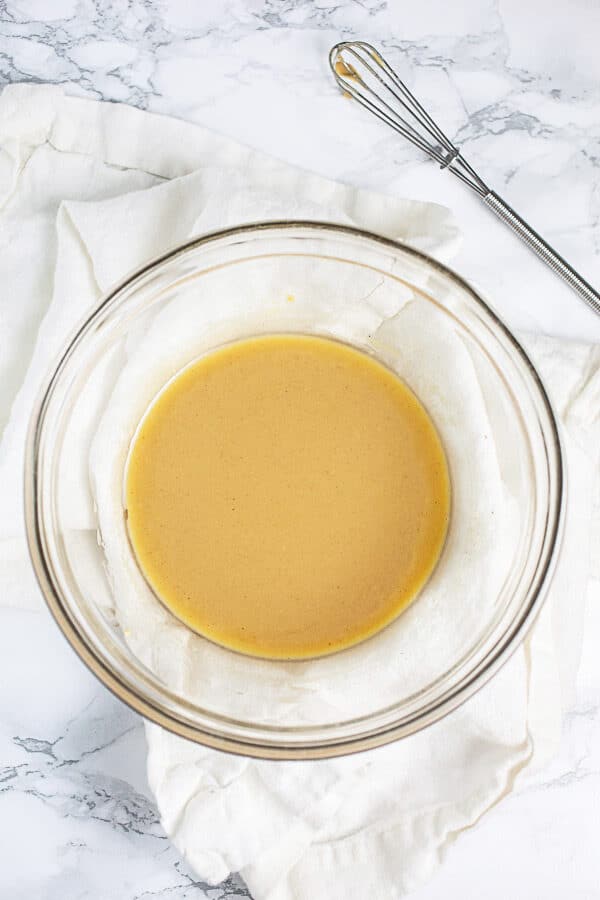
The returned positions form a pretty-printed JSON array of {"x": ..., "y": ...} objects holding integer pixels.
[{"x": 363, "y": 73}]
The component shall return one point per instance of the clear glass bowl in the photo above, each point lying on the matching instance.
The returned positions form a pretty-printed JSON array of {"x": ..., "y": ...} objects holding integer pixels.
[{"x": 481, "y": 390}]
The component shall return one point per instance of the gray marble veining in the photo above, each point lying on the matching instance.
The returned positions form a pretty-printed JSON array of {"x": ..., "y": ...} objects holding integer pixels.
[{"x": 516, "y": 84}]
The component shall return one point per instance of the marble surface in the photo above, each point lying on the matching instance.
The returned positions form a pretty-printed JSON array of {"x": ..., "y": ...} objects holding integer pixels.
[{"x": 518, "y": 85}]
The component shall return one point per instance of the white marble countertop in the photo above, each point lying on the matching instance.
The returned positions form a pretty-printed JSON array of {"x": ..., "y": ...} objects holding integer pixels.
[{"x": 517, "y": 83}]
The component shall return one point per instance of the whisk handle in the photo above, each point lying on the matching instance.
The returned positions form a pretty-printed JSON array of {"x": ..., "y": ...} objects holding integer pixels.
[{"x": 543, "y": 250}]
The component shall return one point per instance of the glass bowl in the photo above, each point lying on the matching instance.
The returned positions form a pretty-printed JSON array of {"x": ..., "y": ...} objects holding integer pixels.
[{"x": 440, "y": 336}]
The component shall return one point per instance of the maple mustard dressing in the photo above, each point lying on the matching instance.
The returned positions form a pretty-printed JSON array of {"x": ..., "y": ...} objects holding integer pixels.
[{"x": 287, "y": 496}]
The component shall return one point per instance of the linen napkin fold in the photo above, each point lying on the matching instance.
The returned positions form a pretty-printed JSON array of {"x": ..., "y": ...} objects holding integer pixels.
[{"x": 91, "y": 190}]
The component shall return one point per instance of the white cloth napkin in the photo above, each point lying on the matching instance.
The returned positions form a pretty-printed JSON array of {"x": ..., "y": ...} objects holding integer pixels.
[{"x": 89, "y": 191}]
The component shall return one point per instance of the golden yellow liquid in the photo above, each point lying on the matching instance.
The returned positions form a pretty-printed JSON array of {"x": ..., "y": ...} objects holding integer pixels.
[{"x": 287, "y": 496}]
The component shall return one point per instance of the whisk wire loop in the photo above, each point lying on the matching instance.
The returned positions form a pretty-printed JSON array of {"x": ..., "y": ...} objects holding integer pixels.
[{"x": 362, "y": 73}]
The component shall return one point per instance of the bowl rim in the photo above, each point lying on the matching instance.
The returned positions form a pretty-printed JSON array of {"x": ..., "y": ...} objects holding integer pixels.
[{"x": 269, "y": 749}]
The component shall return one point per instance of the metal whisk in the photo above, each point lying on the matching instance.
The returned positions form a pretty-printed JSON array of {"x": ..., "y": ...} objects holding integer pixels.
[{"x": 362, "y": 73}]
